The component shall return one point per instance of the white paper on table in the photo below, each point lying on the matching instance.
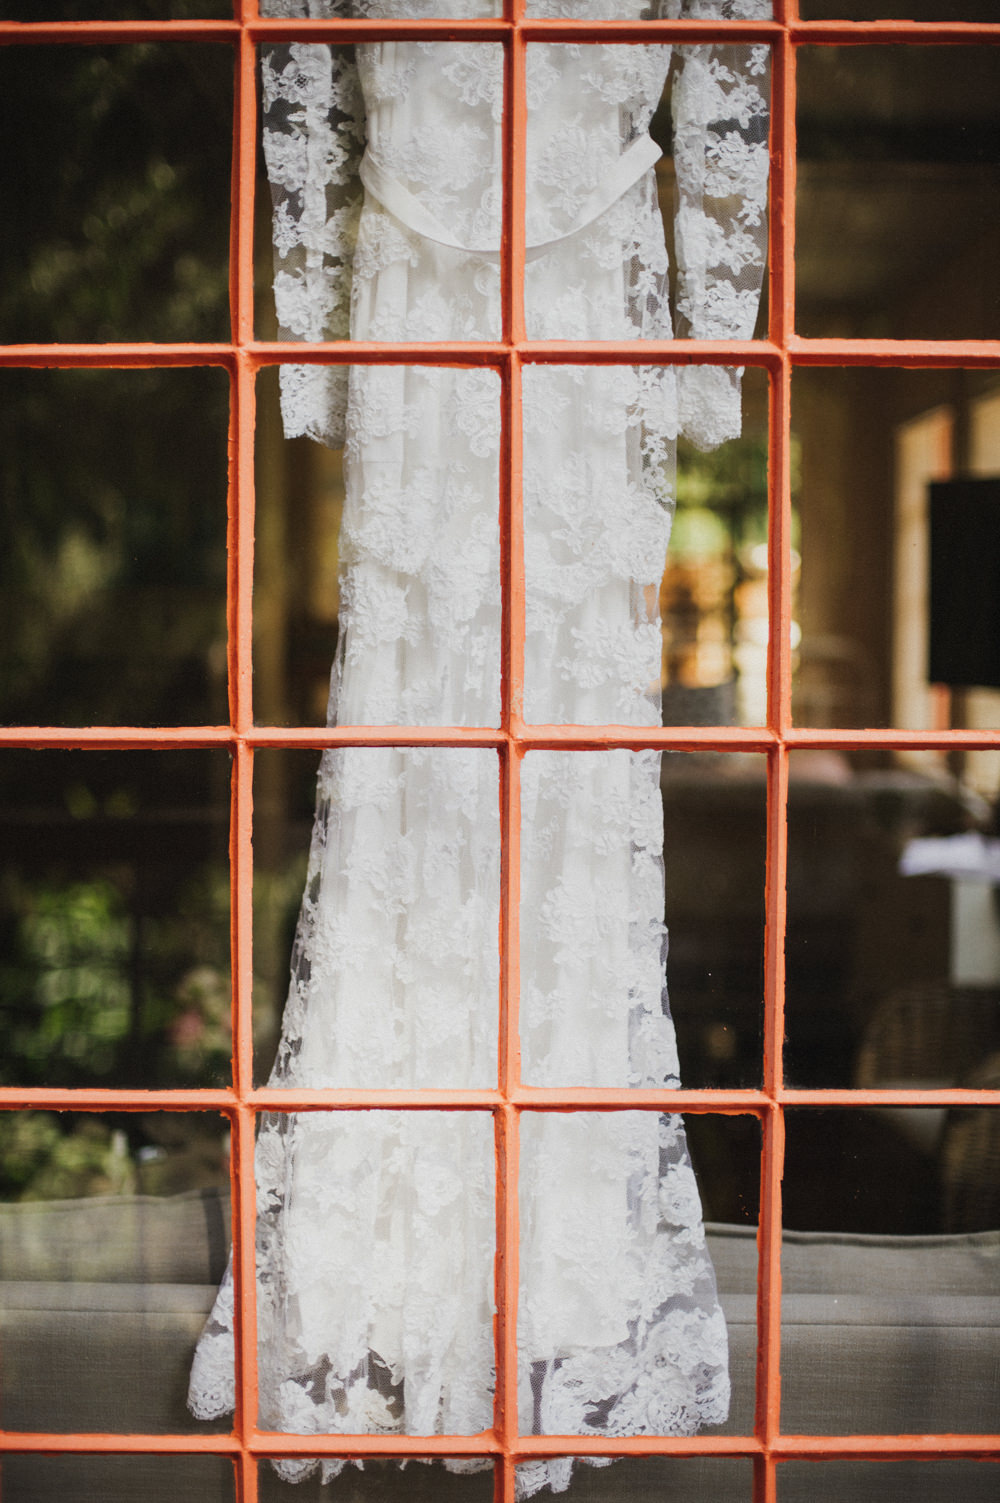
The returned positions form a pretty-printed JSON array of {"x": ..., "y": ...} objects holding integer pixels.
[{"x": 970, "y": 857}]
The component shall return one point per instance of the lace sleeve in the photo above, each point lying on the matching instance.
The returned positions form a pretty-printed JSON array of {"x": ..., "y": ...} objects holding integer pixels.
[
  {"x": 314, "y": 138},
  {"x": 720, "y": 109}
]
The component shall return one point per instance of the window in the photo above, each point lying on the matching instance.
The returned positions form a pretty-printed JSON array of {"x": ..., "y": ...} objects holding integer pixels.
[{"x": 144, "y": 938}]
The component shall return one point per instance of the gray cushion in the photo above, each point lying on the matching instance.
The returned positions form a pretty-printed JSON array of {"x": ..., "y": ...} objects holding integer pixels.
[
  {"x": 880, "y": 1335},
  {"x": 103, "y": 1300},
  {"x": 118, "y": 1479},
  {"x": 95, "y": 1356},
  {"x": 849, "y": 1263}
]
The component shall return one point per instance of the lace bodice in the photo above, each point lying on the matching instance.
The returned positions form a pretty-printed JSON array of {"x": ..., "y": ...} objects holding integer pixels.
[{"x": 440, "y": 143}]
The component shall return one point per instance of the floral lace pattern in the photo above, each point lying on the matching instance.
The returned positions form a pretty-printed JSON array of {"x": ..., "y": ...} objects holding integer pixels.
[{"x": 376, "y": 1230}]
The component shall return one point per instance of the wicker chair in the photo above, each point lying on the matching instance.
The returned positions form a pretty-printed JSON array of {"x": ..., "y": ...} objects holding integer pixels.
[{"x": 933, "y": 1033}]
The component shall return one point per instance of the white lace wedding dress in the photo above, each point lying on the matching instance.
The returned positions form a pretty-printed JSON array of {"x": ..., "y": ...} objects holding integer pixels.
[{"x": 376, "y": 1229}]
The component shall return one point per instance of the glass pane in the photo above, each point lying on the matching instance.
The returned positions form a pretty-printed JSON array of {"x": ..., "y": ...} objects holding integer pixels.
[
  {"x": 650, "y": 1479},
  {"x": 620, "y": 1326},
  {"x": 414, "y": 1481},
  {"x": 375, "y": 1258},
  {"x": 725, "y": 1154},
  {"x": 117, "y": 1479},
  {"x": 112, "y": 553},
  {"x": 114, "y": 1236},
  {"x": 889, "y": 1309},
  {"x": 598, "y": 831},
  {"x": 887, "y": 1481},
  {"x": 897, "y": 192},
  {"x": 114, "y": 910},
  {"x": 117, "y": 10},
  {"x": 714, "y": 811},
  {"x": 897, "y": 502},
  {"x": 893, "y": 942},
  {"x": 898, "y": 10},
  {"x": 395, "y": 975},
  {"x": 390, "y": 560},
  {"x": 284, "y": 804},
  {"x": 713, "y": 594},
  {"x": 119, "y": 163},
  {"x": 621, "y": 629}
]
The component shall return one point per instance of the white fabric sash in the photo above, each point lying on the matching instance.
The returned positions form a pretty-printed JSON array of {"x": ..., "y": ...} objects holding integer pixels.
[{"x": 628, "y": 169}]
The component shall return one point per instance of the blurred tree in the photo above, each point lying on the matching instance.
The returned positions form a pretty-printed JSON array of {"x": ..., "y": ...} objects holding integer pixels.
[
  {"x": 114, "y": 922},
  {"x": 112, "y": 546},
  {"x": 116, "y": 170},
  {"x": 112, "y": 532}
]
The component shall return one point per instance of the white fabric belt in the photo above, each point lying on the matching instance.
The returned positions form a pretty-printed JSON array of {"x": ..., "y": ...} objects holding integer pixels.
[{"x": 629, "y": 168}]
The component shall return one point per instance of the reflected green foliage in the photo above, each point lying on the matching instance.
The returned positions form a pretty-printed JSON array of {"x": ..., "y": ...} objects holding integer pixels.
[
  {"x": 50, "y": 1156},
  {"x": 92, "y": 991},
  {"x": 39, "y": 1160},
  {"x": 730, "y": 481},
  {"x": 114, "y": 918},
  {"x": 114, "y": 963},
  {"x": 96, "y": 991},
  {"x": 64, "y": 976}
]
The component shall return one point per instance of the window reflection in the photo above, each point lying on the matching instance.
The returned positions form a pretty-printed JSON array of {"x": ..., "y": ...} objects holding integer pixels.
[
  {"x": 118, "y": 159},
  {"x": 118, "y": 1479},
  {"x": 114, "y": 1229},
  {"x": 897, "y": 197},
  {"x": 113, "y": 547},
  {"x": 889, "y": 1280},
  {"x": 114, "y": 916},
  {"x": 887, "y": 1481},
  {"x": 893, "y": 940}
]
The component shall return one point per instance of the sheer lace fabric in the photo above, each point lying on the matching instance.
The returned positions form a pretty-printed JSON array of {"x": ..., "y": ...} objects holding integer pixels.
[{"x": 375, "y": 1230}]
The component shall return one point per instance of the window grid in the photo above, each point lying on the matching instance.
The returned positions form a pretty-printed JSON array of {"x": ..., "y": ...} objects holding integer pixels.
[{"x": 243, "y": 357}]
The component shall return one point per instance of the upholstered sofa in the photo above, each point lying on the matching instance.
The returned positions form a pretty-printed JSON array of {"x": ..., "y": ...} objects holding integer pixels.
[{"x": 103, "y": 1299}]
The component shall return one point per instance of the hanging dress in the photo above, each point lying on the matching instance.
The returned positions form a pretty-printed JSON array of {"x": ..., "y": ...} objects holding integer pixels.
[{"x": 376, "y": 1230}]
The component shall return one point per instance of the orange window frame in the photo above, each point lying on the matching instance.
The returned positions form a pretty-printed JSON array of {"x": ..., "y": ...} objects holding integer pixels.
[{"x": 242, "y": 357}]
